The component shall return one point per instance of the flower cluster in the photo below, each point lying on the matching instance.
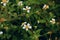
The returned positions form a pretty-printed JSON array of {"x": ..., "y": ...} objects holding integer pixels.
[
  {"x": 26, "y": 26},
  {"x": 45, "y": 6},
  {"x": 27, "y": 9},
  {"x": 52, "y": 21},
  {"x": 28, "y": 19},
  {"x": 20, "y": 3},
  {"x": 4, "y": 2}
]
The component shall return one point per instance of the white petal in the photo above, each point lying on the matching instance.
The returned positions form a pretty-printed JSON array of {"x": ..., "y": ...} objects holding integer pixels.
[
  {"x": 53, "y": 19},
  {"x": 30, "y": 27},
  {"x": 28, "y": 24},
  {"x": 4, "y": 4},
  {"x": 23, "y": 27},
  {"x": 50, "y": 21},
  {"x": 38, "y": 21},
  {"x": 1, "y": 32},
  {"x": 1, "y": 2},
  {"x": 28, "y": 11},
  {"x": 44, "y": 6},
  {"x": 26, "y": 29},
  {"x": 24, "y": 8},
  {"x": 29, "y": 8}
]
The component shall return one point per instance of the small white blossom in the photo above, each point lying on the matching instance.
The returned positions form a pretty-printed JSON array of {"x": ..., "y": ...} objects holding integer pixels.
[
  {"x": 4, "y": 2},
  {"x": 52, "y": 21},
  {"x": 27, "y": 9},
  {"x": 26, "y": 26},
  {"x": 45, "y": 6},
  {"x": 1, "y": 32},
  {"x": 38, "y": 21},
  {"x": 20, "y": 3}
]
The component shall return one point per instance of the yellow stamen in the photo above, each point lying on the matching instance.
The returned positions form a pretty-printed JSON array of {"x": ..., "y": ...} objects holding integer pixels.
[{"x": 27, "y": 27}]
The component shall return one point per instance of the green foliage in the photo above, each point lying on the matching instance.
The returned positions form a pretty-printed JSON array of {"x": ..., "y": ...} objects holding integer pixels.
[{"x": 41, "y": 19}]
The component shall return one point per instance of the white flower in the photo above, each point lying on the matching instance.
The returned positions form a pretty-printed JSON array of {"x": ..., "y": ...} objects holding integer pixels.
[
  {"x": 1, "y": 32},
  {"x": 27, "y": 26},
  {"x": 52, "y": 21},
  {"x": 20, "y": 3},
  {"x": 45, "y": 6},
  {"x": 38, "y": 21},
  {"x": 4, "y": 2},
  {"x": 27, "y": 9}
]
